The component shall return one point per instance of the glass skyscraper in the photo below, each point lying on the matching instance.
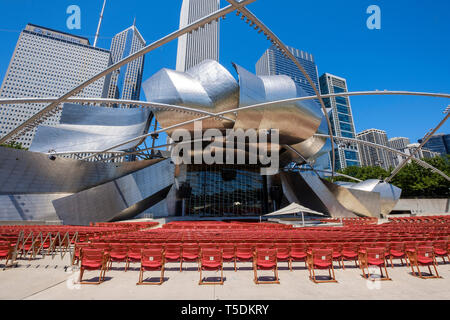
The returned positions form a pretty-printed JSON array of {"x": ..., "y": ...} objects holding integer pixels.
[
  {"x": 274, "y": 63},
  {"x": 439, "y": 143},
  {"x": 48, "y": 63},
  {"x": 126, "y": 82},
  {"x": 341, "y": 118},
  {"x": 201, "y": 44}
]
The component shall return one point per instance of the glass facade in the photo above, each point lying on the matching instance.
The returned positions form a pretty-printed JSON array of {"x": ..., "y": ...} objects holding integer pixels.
[
  {"x": 224, "y": 190},
  {"x": 341, "y": 118},
  {"x": 438, "y": 143},
  {"x": 273, "y": 62}
]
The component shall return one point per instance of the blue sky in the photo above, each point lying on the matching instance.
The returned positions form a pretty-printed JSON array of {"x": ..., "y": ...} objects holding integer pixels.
[{"x": 410, "y": 52}]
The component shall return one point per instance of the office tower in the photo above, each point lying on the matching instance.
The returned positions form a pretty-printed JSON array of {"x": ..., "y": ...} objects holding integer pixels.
[
  {"x": 48, "y": 63},
  {"x": 274, "y": 63},
  {"x": 202, "y": 44},
  {"x": 341, "y": 118},
  {"x": 126, "y": 82},
  {"x": 398, "y": 143},
  {"x": 438, "y": 143},
  {"x": 375, "y": 157}
]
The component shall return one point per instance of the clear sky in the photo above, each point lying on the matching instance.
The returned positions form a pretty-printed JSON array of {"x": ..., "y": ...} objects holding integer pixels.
[{"x": 410, "y": 52}]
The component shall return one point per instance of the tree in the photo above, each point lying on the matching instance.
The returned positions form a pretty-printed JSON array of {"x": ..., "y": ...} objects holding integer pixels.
[
  {"x": 14, "y": 145},
  {"x": 413, "y": 179}
]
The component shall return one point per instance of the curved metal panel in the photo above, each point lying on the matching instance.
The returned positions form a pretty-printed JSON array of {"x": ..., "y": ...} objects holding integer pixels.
[
  {"x": 24, "y": 172},
  {"x": 389, "y": 194},
  {"x": 91, "y": 128},
  {"x": 297, "y": 121},
  {"x": 208, "y": 87}
]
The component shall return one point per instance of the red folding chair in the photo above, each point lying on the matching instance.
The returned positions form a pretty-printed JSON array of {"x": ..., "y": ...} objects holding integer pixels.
[
  {"x": 397, "y": 251},
  {"x": 190, "y": 253},
  {"x": 134, "y": 254},
  {"x": 373, "y": 257},
  {"x": 118, "y": 253},
  {"x": 298, "y": 253},
  {"x": 172, "y": 253},
  {"x": 349, "y": 252},
  {"x": 151, "y": 260},
  {"x": 283, "y": 253},
  {"x": 6, "y": 251},
  {"x": 441, "y": 249},
  {"x": 244, "y": 253},
  {"x": 228, "y": 252},
  {"x": 93, "y": 259},
  {"x": 266, "y": 259},
  {"x": 211, "y": 260},
  {"x": 321, "y": 259},
  {"x": 337, "y": 252},
  {"x": 423, "y": 256},
  {"x": 77, "y": 252}
]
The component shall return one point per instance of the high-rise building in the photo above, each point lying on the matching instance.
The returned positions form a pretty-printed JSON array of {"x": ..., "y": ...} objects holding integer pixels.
[
  {"x": 438, "y": 143},
  {"x": 375, "y": 157},
  {"x": 126, "y": 82},
  {"x": 341, "y": 118},
  {"x": 273, "y": 62},
  {"x": 202, "y": 44},
  {"x": 48, "y": 63},
  {"x": 399, "y": 143}
]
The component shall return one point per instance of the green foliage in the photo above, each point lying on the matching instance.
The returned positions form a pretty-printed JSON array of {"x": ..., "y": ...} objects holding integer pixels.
[
  {"x": 413, "y": 179},
  {"x": 14, "y": 145}
]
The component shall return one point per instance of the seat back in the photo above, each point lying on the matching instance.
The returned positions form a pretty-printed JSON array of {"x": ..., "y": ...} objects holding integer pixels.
[
  {"x": 190, "y": 249},
  {"x": 244, "y": 249},
  {"x": 158, "y": 246},
  {"x": 376, "y": 253},
  {"x": 89, "y": 255},
  {"x": 425, "y": 252},
  {"x": 322, "y": 256},
  {"x": 266, "y": 256},
  {"x": 211, "y": 255},
  {"x": 228, "y": 249},
  {"x": 155, "y": 256}
]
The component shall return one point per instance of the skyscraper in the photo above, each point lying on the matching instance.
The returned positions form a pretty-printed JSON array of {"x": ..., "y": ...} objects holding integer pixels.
[
  {"x": 341, "y": 118},
  {"x": 48, "y": 63},
  {"x": 375, "y": 157},
  {"x": 202, "y": 44},
  {"x": 438, "y": 143},
  {"x": 126, "y": 82},
  {"x": 399, "y": 143},
  {"x": 272, "y": 63}
]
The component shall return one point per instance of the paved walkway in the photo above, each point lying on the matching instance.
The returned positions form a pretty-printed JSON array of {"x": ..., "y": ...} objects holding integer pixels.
[{"x": 47, "y": 279}]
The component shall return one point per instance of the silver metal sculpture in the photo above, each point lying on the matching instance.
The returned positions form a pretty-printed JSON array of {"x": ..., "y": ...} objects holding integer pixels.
[{"x": 206, "y": 93}]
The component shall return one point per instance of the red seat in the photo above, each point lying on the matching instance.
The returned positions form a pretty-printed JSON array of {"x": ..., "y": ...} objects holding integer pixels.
[
  {"x": 298, "y": 253},
  {"x": 190, "y": 253},
  {"x": 229, "y": 252},
  {"x": 244, "y": 253},
  {"x": 397, "y": 251},
  {"x": 6, "y": 251},
  {"x": 349, "y": 252},
  {"x": 173, "y": 253},
  {"x": 93, "y": 259},
  {"x": 423, "y": 256},
  {"x": 320, "y": 259},
  {"x": 118, "y": 253},
  {"x": 134, "y": 254},
  {"x": 266, "y": 259},
  {"x": 211, "y": 259},
  {"x": 337, "y": 251},
  {"x": 373, "y": 257},
  {"x": 151, "y": 260},
  {"x": 441, "y": 249},
  {"x": 283, "y": 253}
]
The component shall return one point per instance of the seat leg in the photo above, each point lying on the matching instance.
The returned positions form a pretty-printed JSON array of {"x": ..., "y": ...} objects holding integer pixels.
[{"x": 435, "y": 269}]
